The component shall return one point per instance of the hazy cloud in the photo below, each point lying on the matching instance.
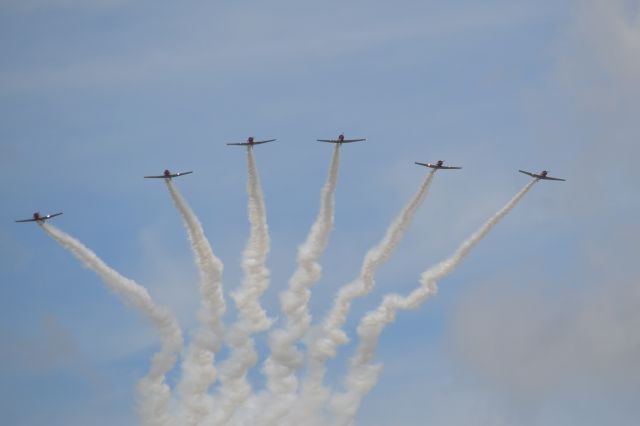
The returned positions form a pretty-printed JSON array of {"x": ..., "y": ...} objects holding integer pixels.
[{"x": 51, "y": 347}]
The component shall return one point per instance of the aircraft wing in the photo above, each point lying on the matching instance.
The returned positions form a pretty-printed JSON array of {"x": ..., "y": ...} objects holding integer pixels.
[
  {"x": 172, "y": 175},
  {"x": 265, "y": 141},
  {"x": 340, "y": 141},
  {"x": 41, "y": 218},
  {"x": 436, "y": 167},
  {"x": 540, "y": 176},
  {"x": 530, "y": 174}
]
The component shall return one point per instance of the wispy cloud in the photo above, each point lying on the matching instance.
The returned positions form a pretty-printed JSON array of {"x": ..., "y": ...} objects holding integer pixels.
[
  {"x": 37, "y": 6},
  {"x": 213, "y": 43}
]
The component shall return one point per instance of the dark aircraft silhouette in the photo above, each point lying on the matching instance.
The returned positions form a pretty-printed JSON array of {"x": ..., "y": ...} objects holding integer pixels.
[
  {"x": 438, "y": 165},
  {"x": 541, "y": 175},
  {"x": 340, "y": 140},
  {"x": 251, "y": 142},
  {"x": 37, "y": 218},
  {"x": 167, "y": 175}
]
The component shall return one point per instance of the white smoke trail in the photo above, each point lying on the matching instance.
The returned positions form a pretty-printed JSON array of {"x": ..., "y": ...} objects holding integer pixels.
[
  {"x": 285, "y": 358},
  {"x": 198, "y": 371},
  {"x": 362, "y": 375},
  {"x": 251, "y": 316},
  {"x": 324, "y": 346},
  {"x": 154, "y": 393}
]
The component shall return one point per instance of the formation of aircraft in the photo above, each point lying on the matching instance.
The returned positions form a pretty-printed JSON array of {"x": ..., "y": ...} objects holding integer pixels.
[
  {"x": 167, "y": 175},
  {"x": 541, "y": 175},
  {"x": 38, "y": 218},
  {"x": 438, "y": 166},
  {"x": 251, "y": 142},
  {"x": 341, "y": 140}
]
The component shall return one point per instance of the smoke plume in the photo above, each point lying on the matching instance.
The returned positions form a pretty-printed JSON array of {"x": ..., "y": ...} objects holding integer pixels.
[
  {"x": 283, "y": 402},
  {"x": 251, "y": 316},
  {"x": 362, "y": 375},
  {"x": 155, "y": 394},
  {"x": 330, "y": 336},
  {"x": 286, "y": 358},
  {"x": 198, "y": 371}
]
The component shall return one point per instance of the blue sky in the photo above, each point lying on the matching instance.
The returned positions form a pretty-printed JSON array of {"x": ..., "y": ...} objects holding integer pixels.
[{"x": 537, "y": 327}]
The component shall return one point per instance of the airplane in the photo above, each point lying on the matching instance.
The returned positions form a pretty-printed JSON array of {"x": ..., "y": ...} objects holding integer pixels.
[
  {"x": 167, "y": 175},
  {"x": 340, "y": 140},
  {"x": 541, "y": 175},
  {"x": 438, "y": 165},
  {"x": 38, "y": 218},
  {"x": 251, "y": 142}
]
